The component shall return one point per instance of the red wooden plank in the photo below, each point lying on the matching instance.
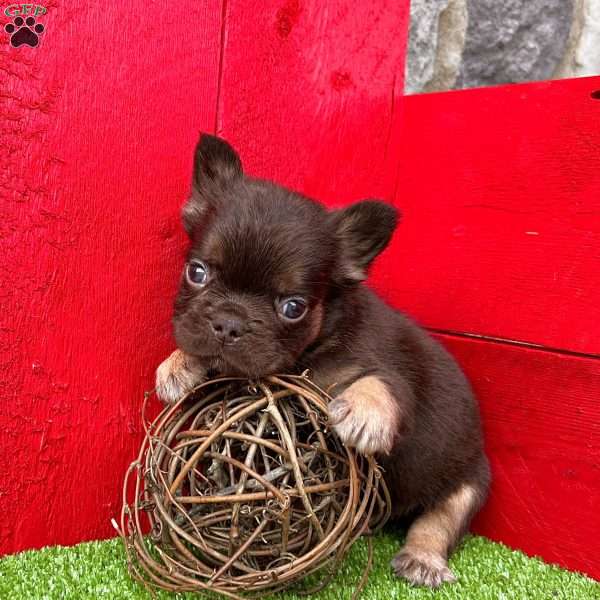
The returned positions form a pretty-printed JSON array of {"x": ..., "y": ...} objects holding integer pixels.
[
  {"x": 310, "y": 93},
  {"x": 542, "y": 428},
  {"x": 97, "y": 129},
  {"x": 501, "y": 193}
]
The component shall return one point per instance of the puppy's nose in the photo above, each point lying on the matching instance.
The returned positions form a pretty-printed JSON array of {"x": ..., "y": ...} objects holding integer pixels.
[{"x": 227, "y": 328}]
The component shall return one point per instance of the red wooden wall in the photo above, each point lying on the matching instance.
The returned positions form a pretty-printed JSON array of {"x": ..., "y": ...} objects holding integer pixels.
[
  {"x": 98, "y": 125},
  {"x": 499, "y": 244},
  {"x": 500, "y": 255}
]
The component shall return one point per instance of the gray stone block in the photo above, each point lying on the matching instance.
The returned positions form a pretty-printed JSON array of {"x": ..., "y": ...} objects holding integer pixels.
[{"x": 514, "y": 40}]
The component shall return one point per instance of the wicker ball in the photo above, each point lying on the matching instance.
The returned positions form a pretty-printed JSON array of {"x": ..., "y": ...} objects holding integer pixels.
[{"x": 244, "y": 489}]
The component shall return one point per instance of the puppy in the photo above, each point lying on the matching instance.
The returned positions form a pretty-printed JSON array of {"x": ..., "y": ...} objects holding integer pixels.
[{"x": 273, "y": 283}]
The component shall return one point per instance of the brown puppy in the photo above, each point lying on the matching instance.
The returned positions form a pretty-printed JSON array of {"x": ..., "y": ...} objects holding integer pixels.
[{"x": 272, "y": 284}]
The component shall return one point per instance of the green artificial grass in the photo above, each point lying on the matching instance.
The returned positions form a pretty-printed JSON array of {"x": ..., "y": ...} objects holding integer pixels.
[{"x": 485, "y": 571}]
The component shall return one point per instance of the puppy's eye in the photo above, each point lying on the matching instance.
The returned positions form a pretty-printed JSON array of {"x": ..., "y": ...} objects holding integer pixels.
[
  {"x": 292, "y": 309},
  {"x": 197, "y": 273}
]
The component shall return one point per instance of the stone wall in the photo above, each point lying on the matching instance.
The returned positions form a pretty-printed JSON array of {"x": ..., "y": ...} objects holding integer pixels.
[{"x": 457, "y": 44}]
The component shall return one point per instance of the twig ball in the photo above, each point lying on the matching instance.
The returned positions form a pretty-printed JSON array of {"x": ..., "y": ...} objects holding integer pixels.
[{"x": 244, "y": 489}]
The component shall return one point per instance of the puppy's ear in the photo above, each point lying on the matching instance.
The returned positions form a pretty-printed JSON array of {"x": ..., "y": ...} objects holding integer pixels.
[
  {"x": 216, "y": 166},
  {"x": 362, "y": 230}
]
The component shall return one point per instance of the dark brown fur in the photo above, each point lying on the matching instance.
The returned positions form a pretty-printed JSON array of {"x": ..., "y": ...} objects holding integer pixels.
[{"x": 263, "y": 242}]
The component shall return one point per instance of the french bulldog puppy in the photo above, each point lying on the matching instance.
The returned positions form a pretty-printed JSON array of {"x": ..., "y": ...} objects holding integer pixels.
[{"x": 273, "y": 284}]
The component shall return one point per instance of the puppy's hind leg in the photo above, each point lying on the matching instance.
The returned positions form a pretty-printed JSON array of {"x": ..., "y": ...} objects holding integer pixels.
[{"x": 424, "y": 558}]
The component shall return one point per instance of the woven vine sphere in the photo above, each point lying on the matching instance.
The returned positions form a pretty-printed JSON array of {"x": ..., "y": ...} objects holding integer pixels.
[{"x": 244, "y": 489}]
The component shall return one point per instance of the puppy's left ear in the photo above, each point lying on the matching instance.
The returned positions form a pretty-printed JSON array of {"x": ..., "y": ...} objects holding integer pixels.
[
  {"x": 362, "y": 230},
  {"x": 216, "y": 166}
]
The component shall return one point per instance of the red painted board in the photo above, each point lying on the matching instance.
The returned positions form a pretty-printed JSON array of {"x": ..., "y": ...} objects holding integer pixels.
[
  {"x": 311, "y": 93},
  {"x": 500, "y": 188},
  {"x": 541, "y": 420},
  {"x": 97, "y": 129}
]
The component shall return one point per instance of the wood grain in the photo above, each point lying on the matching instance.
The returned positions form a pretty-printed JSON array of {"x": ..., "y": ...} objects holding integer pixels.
[
  {"x": 500, "y": 189},
  {"x": 542, "y": 429},
  {"x": 98, "y": 125},
  {"x": 310, "y": 93}
]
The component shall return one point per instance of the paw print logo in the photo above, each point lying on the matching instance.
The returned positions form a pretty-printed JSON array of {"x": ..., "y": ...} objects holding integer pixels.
[{"x": 24, "y": 31}]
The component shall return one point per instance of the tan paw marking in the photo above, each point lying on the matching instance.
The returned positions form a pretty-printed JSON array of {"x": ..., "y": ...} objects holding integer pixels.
[
  {"x": 422, "y": 567},
  {"x": 366, "y": 416},
  {"x": 175, "y": 377}
]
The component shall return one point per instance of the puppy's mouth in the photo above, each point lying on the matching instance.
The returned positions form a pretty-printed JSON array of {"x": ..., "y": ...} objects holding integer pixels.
[
  {"x": 251, "y": 358},
  {"x": 241, "y": 366},
  {"x": 225, "y": 362}
]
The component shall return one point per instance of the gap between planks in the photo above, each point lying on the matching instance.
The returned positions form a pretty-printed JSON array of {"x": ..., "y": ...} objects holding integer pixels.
[
  {"x": 221, "y": 65},
  {"x": 509, "y": 342}
]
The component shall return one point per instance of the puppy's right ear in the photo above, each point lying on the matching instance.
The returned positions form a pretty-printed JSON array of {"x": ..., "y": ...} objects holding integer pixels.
[
  {"x": 362, "y": 230},
  {"x": 216, "y": 166}
]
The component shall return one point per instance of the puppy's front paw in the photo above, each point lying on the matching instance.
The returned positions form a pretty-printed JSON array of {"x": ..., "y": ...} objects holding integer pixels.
[
  {"x": 366, "y": 416},
  {"x": 422, "y": 567},
  {"x": 175, "y": 377}
]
